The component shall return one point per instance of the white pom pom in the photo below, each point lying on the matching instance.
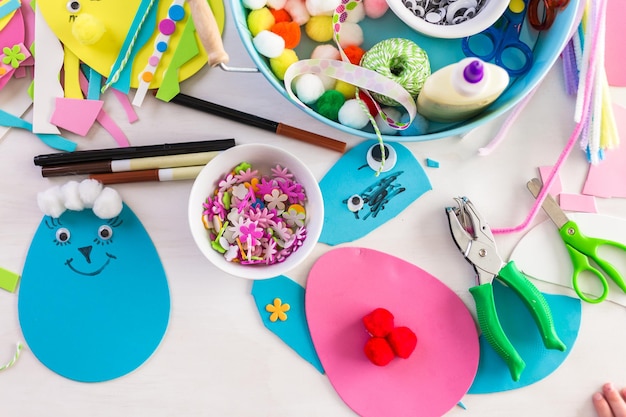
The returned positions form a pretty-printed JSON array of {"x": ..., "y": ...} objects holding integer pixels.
[
  {"x": 329, "y": 82},
  {"x": 253, "y": 4},
  {"x": 50, "y": 202},
  {"x": 351, "y": 114},
  {"x": 297, "y": 10},
  {"x": 351, "y": 34},
  {"x": 357, "y": 14},
  {"x": 269, "y": 44},
  {"x": 71, "y": 196},
  {"x": 385, "y": 129},
  {"x": 325, "y": 51},
  {"x": 321, "y": 7},
  {"x": 276, "y": 4},
  {"x": 89, "y": 191},
  {"x": 108, "y": 204},
  {"x": 309, "y": 88}
]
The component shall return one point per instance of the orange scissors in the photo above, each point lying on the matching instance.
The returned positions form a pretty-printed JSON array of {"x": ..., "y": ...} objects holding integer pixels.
[{"x": 541, "y": 13}]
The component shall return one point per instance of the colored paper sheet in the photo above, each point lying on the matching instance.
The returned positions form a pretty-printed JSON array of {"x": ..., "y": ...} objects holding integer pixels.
[
  {"x": 542, "y": 254},
  {"x": 76, "y": 115},
  {"x": 383, "y": 196},
  {"x": 615, "y": 53},
  {"x": 348, "y": 283},
  {"x": 294, "y": 331},
  {"x": 8, "y": 280},
  {"x": 493, "y": 373},
  {"x": 544, "y": 173},
  {"x": 605, "y": 179},
  {"x": 107, "y": 308},
  {"x": 577, "y": 202}
]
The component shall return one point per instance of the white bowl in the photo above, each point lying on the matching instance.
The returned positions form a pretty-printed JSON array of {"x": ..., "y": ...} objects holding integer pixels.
[
  {"x": 487, "y": 15},
  {"x": 263, "y": 158}
]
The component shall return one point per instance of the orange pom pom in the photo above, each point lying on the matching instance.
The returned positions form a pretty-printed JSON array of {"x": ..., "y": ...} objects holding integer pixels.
[
  {"x": 281, "y": 15},
  {"x": 354, "y": 53},
  {"x": 289, "y": 31}
]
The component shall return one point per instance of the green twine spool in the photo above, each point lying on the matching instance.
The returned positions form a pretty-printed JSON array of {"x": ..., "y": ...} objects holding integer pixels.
[{"x": 401, "y": 60}]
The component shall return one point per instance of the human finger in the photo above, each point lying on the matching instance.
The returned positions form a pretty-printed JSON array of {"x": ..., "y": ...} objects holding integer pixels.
[
  {"x": 615, "y": 400},
  {"x": 601, "y": 405}
]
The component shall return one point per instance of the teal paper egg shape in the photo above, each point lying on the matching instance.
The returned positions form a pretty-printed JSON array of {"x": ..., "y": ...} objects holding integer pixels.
[{"x": 93, "y": 301}]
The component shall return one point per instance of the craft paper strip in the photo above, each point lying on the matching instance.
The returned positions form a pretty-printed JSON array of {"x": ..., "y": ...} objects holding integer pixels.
[
  {"x": 71, "y": 69},
  {"x": 54, "y": 141},
  {"x": 555, "y": 190},
  {"x": 8, "y": 280},
  {"x": 9, "y": 6},
  {"x": 15, "y": 100},
  {"x": 293, "y": 330},
  {"x": 95, "y": 82},
  {"x": 493, "y": 373},
  {"x": 76, "y": 115},
  {"x": 577, "y": 202},
  {"x": 383, "y": 196},
  {"x": 46, "y": 83},
  {"x": 131, "y": 114},
  {"x": 615, "y": 58},
  {"x": 107, "y": 308},
  {"x": 348, "y": 283}
]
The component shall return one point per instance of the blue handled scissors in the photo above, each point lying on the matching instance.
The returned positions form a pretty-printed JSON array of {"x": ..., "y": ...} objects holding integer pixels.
[
  {"x": 504, "y": 37},
  {"x": 582, "y": 249}
]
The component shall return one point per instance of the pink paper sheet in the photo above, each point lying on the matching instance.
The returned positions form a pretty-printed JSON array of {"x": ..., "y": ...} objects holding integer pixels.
[
  {"x": 555, "y": 190},
  {"x": 76, "y": 115},
  {"x": 578, "y": 202},
  {"x": 615, "y": 53}
]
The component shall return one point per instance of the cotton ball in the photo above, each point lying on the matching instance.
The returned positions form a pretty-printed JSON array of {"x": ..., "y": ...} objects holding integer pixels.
[
  {"x": 320, "y": 28},
  {"x": 259, "y": 20},
  {"x": 321, "y": 7},
  {"x": 356, "y": 14},
  {"x": 351, "y": 34},
  {"x": 325, "y": 51},
  {"x": 298, "y": 12},
  {"x": 309, "y": 88},
  {"x": 50, "y": 202},
  {"x": 253, "y": 4},
  {"x": 108, "y": 204},
  {"x": 88, "y": 29},
  {"x": 348, "y": 90},
  {"x": 280, "y": 64},
  {"x": 289, "y": 31},
  {"x": 418, "y": 127},
  {"x": 329, "y": 103},
  {"x": 384, "y": 128},
  {"x": 329, "y": 82},
  {"x": 375, "y": 8},
  {"x": 276, "y": 4},
  {"x": 269, "y": 44},
  {"x": 71, "y": 196},
  {"x": 351, "y": 114},
  {"x": 89, "y": 190}
]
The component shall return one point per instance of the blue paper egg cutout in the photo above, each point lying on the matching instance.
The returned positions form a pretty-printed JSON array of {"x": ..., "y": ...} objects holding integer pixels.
[{"x": 93, "y": 301}]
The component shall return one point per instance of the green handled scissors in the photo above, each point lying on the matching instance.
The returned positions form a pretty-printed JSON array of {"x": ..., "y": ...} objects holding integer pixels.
[{"x": 582, "y": 249}]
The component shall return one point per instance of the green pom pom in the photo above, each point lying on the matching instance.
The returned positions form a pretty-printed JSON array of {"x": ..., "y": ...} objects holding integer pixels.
[{"x": 329, "y": 103}]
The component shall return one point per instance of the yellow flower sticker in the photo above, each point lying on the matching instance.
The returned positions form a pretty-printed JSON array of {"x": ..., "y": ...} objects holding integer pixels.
[{"x": 278, "y": 310}]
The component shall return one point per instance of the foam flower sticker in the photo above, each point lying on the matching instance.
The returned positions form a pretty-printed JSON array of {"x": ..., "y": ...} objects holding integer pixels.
[
  {"x": 281, "y": 173},
  {"x": 13, "y": 56},
  {"x": 295, "y": 215},
  {"x": 251, "y": 233},
  {"x": 278, "y": 310},
  {"x": 276, "y": 200}
]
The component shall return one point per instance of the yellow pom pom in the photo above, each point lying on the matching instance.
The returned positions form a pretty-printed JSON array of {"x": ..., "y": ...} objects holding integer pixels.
[
  {"x": 88, "y": 29},
  {"x": 348, "y": 90},
  {"x": 260, "y": 20},
  {"x": 320, "y": 28},
  {"x": 280, "y": 64}
]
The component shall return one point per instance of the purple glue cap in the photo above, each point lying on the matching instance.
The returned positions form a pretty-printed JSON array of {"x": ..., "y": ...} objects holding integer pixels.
[{"x": 474, "y": 71}]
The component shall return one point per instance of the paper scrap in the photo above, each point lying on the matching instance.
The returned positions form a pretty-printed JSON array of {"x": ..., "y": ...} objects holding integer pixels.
[
  {"x": 615, "y": 52},
  {"x": 76, "y": 115},
  {"x": 578, "y": 202},
  {"x": 544, "y": 173}
]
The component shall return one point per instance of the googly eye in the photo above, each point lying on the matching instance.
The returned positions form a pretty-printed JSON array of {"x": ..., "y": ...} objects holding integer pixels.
[
  {"x": 374, "y": 157},
  {"x": 73, "y": 6},
  {"x": 63, "y": 235},
  {"x": 105, "y": 232},
  {"x": 355, "y": 203}
]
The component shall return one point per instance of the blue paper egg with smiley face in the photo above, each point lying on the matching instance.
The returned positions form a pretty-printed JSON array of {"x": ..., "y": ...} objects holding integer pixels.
[{"x": 93, "y": 301}]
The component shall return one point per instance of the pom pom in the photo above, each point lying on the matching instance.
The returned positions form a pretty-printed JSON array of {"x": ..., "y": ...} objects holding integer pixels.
[
  {"x": 326, "y": 51},
  {"x": 289, "y": 31},
  {"x": 321, "y": 7},
  {"x": 50, "y": 202},
  {"x": 309, "y": 88},
  {"x": 280, "y": 64},
  {"x": 329, "y": 103},
  {"x": 402, "y": 341},
  {"x": 348, "y": 90},
  {"x": 87, "y": 29},
  {"x": 71, "y": 196},
  {"x": 89, "y": 191},
  {"x": 385, "y": 129},
  {"x": 298, "y": 12},
  {"x": 277, "y": 5},
  {"x": 320, "y": 28},
  {"x": 108, "y": 204},
  {"x": 253, "y": 4},
  {"x": 356, "y": 14},
  {"x": 329, "y": 82},
  {"x": 418, "y": 127},
  {"x": 379, "y": 322},
  {"x": 375, "y": 8},
  {"x": 351, "y": 34},
  {"x": 351, "y": 114},
  {"x": 280, "y": 15},
  {"x": 378, "y": 351},
  {"x": 259, "y": 20},
  {"x": 268, "y": 44},
  {"x": 354, "y": 53}
]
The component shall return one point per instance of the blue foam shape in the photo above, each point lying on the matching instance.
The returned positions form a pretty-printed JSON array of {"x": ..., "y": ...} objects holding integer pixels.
[
  {"x": 295, "y": 330},
  {"x": 93, "y": 325},
  {"x": 351, "y": 175},
  {"x": 493, "y": 375}
]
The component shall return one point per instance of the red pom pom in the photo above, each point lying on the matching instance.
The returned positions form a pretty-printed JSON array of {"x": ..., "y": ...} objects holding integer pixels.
[
  {"x": 281, "y": 15},
  {"x": 354, "y": 53},
  {"x": 378, "y": 351},
  {"x": 368, "y": 102},
  {"x": 403, "y": 341},
  {"x": 379, "y": 323},
  {"x": 289, "y": 31}
]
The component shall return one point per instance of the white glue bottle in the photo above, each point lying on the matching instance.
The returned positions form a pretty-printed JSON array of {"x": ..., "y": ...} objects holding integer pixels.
[{"x": 459, "y": 91}]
